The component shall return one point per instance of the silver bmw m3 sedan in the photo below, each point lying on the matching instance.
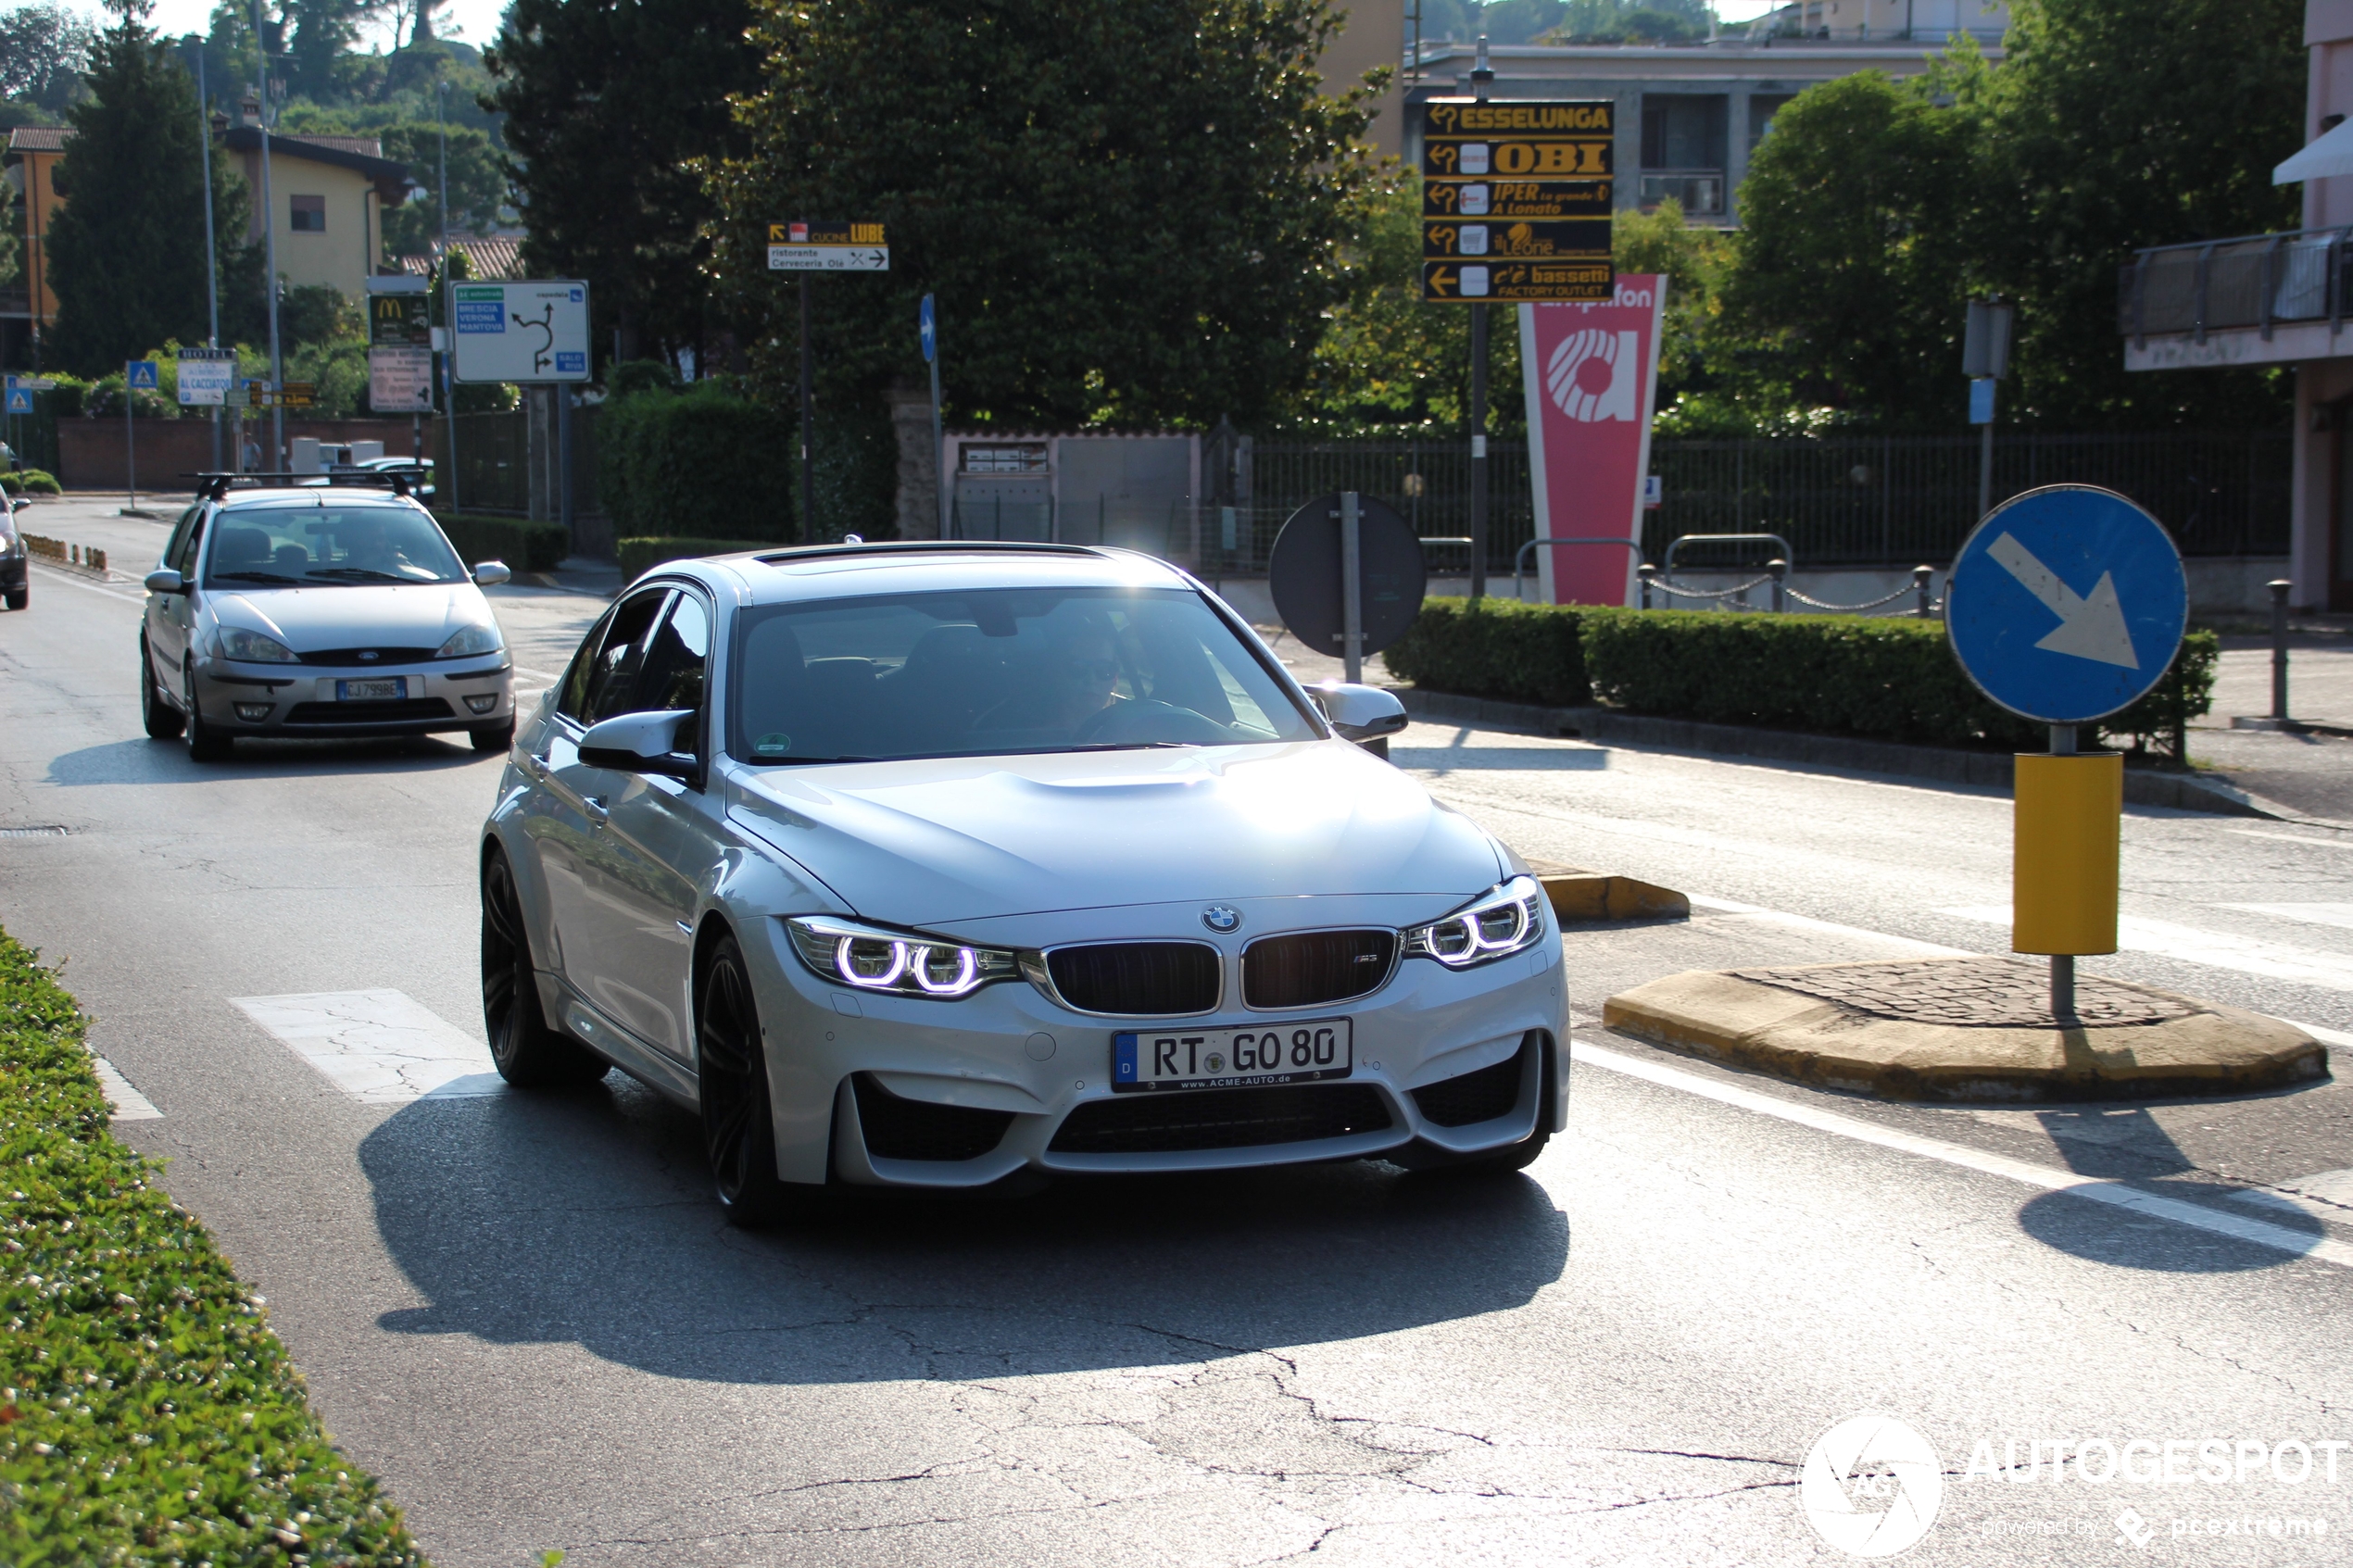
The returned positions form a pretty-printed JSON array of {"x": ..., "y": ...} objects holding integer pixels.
[{"x": 923, "y": 865}]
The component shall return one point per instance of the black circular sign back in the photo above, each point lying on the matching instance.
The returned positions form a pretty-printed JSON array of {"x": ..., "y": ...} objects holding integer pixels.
[{"x": 1303, "y": 573}]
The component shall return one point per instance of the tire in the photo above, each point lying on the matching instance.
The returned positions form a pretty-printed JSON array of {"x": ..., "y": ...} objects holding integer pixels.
[
  {"x": 21, "y": 597},
  {"x": 204, "y": 743},
  {"x": 527, "y": 1053},
  {"x": 163, "y": 722},
  {"x": 738, "y": 1128},
  {"x": 494, "y": 737}
]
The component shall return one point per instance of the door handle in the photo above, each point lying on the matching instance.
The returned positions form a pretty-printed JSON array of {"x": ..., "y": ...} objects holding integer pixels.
[
  {"x": 538, "y": 764},
  {"x": 599, "y": 814}
]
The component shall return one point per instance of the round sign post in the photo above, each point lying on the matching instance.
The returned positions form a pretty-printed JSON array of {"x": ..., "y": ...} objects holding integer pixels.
[
  {"x": 1347, "y": 562},
  {"x": 2065, "y": 605}
]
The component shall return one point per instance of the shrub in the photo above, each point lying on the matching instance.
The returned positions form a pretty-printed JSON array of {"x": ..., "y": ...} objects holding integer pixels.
[
  {"x": 524, "y": 547},
  {"x": 638, "y": 556},
  {"x": 707, "y": 459},
  {"x": 1881, "y": 677},
  {"x": 40, "y": 481},
  {"x": 149, "y": 1413}
]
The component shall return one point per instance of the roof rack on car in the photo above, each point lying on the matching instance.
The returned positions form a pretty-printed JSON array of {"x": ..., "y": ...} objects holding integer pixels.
[
  {"x": 213, "y": 486},
  {"x": 912, "y": 546}
]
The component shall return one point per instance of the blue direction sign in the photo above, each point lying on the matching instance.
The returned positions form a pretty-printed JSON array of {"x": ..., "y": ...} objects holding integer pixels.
[
  {"x": 140, "y": 373},
  {"x": 2066, "y": 604},
  {"x": 928, "y": 326},
  {"x": 19, "y": 400}
]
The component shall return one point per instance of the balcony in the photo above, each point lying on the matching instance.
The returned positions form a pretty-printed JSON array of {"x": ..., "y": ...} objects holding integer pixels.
[
  {"x": 1701, "y": 191},
  {"x": 2258, "y": 299}
]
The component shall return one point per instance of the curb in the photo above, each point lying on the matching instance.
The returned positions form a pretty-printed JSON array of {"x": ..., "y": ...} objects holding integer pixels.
[
  {"x": 1738, "y": 1022},
  {"x": 1988, "y": 770},
  {"x": 1596, "y": 896}
]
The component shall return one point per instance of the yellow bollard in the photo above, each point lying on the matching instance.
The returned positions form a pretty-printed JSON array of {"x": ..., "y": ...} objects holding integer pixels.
[{"x": 2068, "y": 820}]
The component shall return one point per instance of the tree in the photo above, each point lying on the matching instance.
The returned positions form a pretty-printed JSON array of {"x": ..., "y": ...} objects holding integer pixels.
[
  {"x": 125, "y": 249},
  {"x": 2104, "y": 134},
  {"x": 42, "y": 52},
  {"x": 477, "y": 185},
  {"x": 610, "y": 103},
  {"x": 1131, "y": 211},
  {"x": 1853, "y": 264}
]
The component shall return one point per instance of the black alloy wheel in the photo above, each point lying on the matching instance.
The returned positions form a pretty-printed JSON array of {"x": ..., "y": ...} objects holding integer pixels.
[
  {"x": 528, "y": 1054},
  {"x": 162, "y": 721},
  {"x": 204, "y": 743},
  {"x": 738, "y": 1128}
]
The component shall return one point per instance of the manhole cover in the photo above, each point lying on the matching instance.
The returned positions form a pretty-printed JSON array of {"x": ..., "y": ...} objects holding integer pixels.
[{"x": 1987, "y": 993}]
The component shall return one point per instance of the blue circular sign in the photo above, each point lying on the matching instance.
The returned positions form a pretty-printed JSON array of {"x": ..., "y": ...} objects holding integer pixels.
[
  {"x": 928, "y": 328},
  {"x": 2066, "y": 604}
]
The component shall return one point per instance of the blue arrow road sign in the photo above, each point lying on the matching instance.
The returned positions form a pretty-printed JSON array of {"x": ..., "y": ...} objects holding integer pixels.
[
  {"x": 2066, "y": 604},
  {"x": 140, "y": 372},
  {"x": 19, "y": 400},
  {"x": 929, "y": 328}
]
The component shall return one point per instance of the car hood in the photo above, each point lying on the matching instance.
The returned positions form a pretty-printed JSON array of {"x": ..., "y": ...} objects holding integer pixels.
[
  {"x": 930, "y": 842},
  {"x": 388, "y": 615}
]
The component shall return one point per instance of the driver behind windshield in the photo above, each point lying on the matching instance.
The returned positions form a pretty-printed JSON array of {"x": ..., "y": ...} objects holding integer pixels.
[{"x": 1077, "y": 683}]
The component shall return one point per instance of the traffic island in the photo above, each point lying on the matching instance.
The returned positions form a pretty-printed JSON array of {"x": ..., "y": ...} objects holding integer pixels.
[
  {"x": 1581, "y": 896},
  {"x": 1965, "y": 1029}
]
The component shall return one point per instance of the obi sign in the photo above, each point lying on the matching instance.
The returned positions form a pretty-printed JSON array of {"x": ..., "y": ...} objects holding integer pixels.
[
  {"x": 1515, "y": 200},
  {"x": 1589, "y": 372},
  {"x": 520, "y": 332}
]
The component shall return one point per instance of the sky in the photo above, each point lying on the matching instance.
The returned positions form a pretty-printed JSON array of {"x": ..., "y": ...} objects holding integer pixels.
[{"x": 475, "y": 21}]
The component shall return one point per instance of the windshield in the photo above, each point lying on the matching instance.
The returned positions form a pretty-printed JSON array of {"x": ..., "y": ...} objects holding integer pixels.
[
  {"x": 998, "y": 670},
  {"x": 310, "y": 546}
]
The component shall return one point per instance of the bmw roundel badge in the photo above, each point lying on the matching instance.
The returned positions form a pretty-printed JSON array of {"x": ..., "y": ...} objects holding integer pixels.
[{"x": 1222, "y": 917}]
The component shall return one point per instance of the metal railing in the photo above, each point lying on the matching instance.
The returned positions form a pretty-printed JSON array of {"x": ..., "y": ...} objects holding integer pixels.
[{"x": 2248, "y": 280}]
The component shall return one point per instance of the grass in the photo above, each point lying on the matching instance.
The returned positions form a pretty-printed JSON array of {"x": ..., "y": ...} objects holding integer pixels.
[{"x": 148, "y": 1415}]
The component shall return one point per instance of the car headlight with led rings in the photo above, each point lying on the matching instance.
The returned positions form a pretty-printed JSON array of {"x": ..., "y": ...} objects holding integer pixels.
[
  {"x": 468, "y": 641},
  {"x": 903, "y": 964},
  {"x": 1503, "y": 921},
  {"x": 252, "y": 648}
]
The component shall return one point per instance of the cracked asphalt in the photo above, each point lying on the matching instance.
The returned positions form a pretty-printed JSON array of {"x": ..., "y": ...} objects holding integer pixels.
[{"x": 522, "y": 1313}]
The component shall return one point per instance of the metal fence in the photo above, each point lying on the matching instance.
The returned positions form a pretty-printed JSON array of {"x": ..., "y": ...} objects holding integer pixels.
[
  {"x": 2254, "y": 281},
  {"x": 494, "y": 457},
  {"x": 1847, "y": 501}
]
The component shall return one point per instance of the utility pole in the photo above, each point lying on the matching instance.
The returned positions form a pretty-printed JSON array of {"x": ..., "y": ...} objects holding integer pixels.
[
  {"x": 1985, "y": 360},
  {"x": 1482, "y": 76},
  {"x": 270, "y": 264},
  {"x": 929, "y": 325},
  {"x": 449, "y": 301},
  {"x": 807, "y": 415},
  {"x": 211, "y": 252}
]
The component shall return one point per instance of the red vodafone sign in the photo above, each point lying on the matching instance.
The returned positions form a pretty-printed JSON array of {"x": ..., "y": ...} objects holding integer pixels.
[{"x": 1590, "y": 371}]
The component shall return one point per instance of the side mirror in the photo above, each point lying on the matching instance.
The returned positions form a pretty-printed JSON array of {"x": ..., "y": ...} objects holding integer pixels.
[
  {"x": 1359, "y": 713},
  {"x": 640, "y": 743},
  {"x": 163, "y": 580},
  {"x": 490, "y": 573}
]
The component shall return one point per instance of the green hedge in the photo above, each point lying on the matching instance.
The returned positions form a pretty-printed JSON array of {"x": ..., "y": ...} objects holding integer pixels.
[
  {"x": 31, "y": 482},
  {"x": 643, "y": 555},
  {"x": 524, "y": 547},
  {"x": 1887, "y": 678},
  {"x": 705, "y": 454},
  {"x": 149, "y": 1414}
]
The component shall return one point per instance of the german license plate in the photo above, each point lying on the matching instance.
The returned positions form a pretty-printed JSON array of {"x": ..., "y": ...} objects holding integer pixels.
[
  {"x": 391, "y": 688},
  {"x": 1225, "y": 1059}
]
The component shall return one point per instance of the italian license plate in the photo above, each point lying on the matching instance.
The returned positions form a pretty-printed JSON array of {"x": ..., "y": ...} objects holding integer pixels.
[
  {"x": 391, "y": 688},
  {"x": 1225, "y": 1059}
]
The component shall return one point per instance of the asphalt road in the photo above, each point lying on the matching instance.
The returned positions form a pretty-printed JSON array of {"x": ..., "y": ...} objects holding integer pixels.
[{"x": 522, "y": 1311}]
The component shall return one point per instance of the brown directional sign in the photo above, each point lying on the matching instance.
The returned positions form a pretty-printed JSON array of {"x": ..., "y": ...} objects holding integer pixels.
[{"x": 1515, "y": 200}]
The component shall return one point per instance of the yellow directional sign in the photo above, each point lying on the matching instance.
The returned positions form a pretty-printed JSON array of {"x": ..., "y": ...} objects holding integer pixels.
[
  {"x": 1516, "y": 199},
  {"x": 827, "y": 247}
]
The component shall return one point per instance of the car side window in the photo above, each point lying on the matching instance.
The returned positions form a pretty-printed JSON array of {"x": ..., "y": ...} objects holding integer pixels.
[
  {"x": 180, "y": 535},
  {"x": 185, "y": 542},
  {"x": 613, "y": 675},
  {"x": 571, "y": 691},
  {"x": 677, "y": 660}
]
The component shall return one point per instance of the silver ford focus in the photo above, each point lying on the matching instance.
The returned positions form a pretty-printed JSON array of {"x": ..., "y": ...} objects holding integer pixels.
[
  {"x": 924, "y": 865},
  {"x": 319, "y": 610}
]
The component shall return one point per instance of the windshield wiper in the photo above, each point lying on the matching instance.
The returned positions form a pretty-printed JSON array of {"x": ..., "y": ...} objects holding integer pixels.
[
  {"x": 1123, "y": 746},
  {"x": 252, "y": 577},
  {"x": 764, "y": 761},
  {"x": 367, "y": 572}
]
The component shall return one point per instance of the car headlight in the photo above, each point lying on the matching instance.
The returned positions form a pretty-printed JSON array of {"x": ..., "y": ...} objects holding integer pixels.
[
  {"x": 468, "y": 641},
  {"x": 235, "y": 642},
  {"x": 908, "y": 965},
  {"x": 1503, "y": 921}
]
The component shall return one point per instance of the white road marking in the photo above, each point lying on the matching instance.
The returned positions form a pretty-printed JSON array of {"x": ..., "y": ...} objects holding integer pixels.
[
  {"x": 537, "y": 675},
  {"x": 2258, "y": 1232},
  {"x": 2248, "y": 955},
  {"x": 378, "y": 1047},
  {"x": 74, "y": 580},
  {"x": 2294, "y": 838},
  {"x": 128, "y": 1104},
  {"x": 2316, "y": 914},
  {"x": 2326, "y": 1036},
  {"x": 1829, "y": 928},
  {"x": 2325, "y": 1195}
]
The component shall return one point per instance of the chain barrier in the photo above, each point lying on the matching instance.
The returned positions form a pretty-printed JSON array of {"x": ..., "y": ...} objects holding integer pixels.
[
  {"x": 1907, "y": 591},
  {"x": 1661, "y": 585}
]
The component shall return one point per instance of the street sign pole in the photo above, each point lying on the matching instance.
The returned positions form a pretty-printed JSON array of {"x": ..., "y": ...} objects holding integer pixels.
[
  {"x": 211, "y": 250},
  {"x": 1985, "y": 360},
  {"x": 807, "y": 400},
  {"x": 276, "y": 461},
  {"x": 130, "y": 445},
  {"x": 1352, "y": 589},
  {"x": 805, "y": 247},
  {"x": 929, "y": 330},
  {"x": 1478, "y": 452}
]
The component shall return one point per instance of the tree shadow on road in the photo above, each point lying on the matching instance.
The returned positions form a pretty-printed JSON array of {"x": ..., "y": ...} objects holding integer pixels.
[{"x": 586, "y": 1217}]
